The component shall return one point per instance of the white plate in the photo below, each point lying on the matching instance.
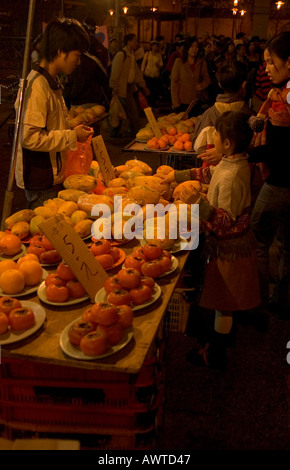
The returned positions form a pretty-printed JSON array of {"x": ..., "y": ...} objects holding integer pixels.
[
  {"x": 174, "y": 266},
  {"x": 27, "y": 290},
  {"x": 175, "y": 249},
  {"x": 102, "y": 296},
  {"x": 22, "y": 252},
  {"x": 41, "y": 292},
  {"x": 76, "y": 353},
  {"x": 12, "y": 336},
  {"x": 141, "y": 141}
]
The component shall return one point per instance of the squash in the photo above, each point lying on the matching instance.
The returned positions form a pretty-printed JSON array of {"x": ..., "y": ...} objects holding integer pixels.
[
  {"x": 187, "y": 184},
  {"x": 117, "y": 183},
  {"x": 144, "y": 195},
  {"x": 88, "y": 201},
  {"x": 82, "y": 182},
  {"x": 70, "y": 194},
  {"x": 137, "y": 165}
]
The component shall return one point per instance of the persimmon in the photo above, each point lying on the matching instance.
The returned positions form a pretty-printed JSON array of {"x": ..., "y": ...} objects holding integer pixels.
[
  {"x": 79, "y": 329},
  {"x": 162, "y": 143},
  {"x": 8, "y": 303},
  {"x": 12, "y": 281},
  {"x": 126, "y": 316},
  {"x": 36, "y": 249},
  {"x": 113, "y": 332},
  {"x": 187, "y": 145},
  {"x": 172, "y": 131},
  {"x": 104, "y": 313},
  {"x": 165, "y": 137},
  {"x": 94, "y": 343},
  {"x": 129, "y": 278},
  {"x": 21, "y": 318},
  {"x": 178, "y": 145},
  {"x": 10, "y": 245},
  {"x": 7, "y": 264},
  {"x": 185, "y": 137},
  {"x": 4, "y": 323},
  {"x": 106, "y": 260},
  {"x": 32, "y": 272},
  {"x": 172, "y": 139}
]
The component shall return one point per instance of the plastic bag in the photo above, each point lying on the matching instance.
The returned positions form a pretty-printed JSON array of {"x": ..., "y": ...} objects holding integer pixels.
[
  {"x": 116, "y": 112},
  {"x": 79, "y": 161}
]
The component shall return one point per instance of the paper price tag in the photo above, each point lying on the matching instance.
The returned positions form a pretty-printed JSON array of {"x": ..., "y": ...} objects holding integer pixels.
[
  {"x": 101, "y": 154},
  {"x": 153, "y": 123},
  {"x": 75, "y": 253}
]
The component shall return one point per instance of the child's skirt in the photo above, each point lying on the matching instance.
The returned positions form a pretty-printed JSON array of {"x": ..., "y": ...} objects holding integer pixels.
[{"x": 232, "y": 282}]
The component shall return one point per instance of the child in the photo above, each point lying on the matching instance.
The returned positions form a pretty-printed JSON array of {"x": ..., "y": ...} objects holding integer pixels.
[
  {"x": 232, "y": 79},
  {"x": 45, "y": 135},
  {"x": 231, "y": 278}
]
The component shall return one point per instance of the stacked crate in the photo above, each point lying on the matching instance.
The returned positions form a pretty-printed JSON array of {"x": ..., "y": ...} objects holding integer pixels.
[{"x": 101, "y": 409}]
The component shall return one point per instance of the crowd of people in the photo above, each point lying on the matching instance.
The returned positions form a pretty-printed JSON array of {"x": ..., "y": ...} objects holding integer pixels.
[{"x": 220, "y": 78}]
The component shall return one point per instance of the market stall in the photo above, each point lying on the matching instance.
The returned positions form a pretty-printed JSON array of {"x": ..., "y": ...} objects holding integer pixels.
[{"x": 51, "y": 387}]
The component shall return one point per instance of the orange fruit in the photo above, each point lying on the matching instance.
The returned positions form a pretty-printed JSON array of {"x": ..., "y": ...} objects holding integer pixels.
[
  {"x": 2, "y": 234},
  {"x": 32, "y": 272},
  {"x": 162, "y": 144},
  {"x": 7, "y": 264},
  {"x": 10, "y": 245},
  {"x": 27, "y": 257},
  {"x": 172, "y": 131},
  {"x": 185, "y": 137},
  {"x": 172, "y": 139},
  {"x": 178, "y": 145},
  {"x": 187, "y": 145},
  {"x": 12, "y": 281},
  {"x": 165, "y": 137}
]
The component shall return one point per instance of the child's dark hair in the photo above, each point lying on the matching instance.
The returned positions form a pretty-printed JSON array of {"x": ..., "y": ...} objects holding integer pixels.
[
  {"x": 231, "y": 77},
  {"x": 235, "y": 127},
  {"x": 65, "y": 35}
]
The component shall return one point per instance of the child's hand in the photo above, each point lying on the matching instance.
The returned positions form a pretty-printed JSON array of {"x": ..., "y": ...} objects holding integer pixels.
[
  {"x": 83, "y": 132},
  {"x": 211, "y": 156},
  {"x": 189, "y": 196},
  {"x": 170, "y": 178}
]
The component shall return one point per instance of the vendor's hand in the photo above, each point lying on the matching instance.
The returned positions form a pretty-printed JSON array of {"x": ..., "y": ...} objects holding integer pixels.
[
  {"x": 189, "y": 196},
  {"x": 211, "y": 156},
  {"x": 83, "y": 132},
  {"x": 170, "y": 178}
]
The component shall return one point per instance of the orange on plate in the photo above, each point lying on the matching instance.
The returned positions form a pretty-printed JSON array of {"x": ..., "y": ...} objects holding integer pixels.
[
  {"x": 12, "y": 281},
  {"x": 32, "y": 272}
]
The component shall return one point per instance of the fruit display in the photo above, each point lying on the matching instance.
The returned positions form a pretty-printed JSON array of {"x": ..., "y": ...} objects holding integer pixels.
[
  {"x": 16, "y": 276},
  {"x": 14, "y": 316},
  {"x": 10, "y": 245},
  {"x": 107, "y": 255},
  {"x": 42, "y": 248},
  {"x": 63, "y": 285},
  {"x": 101, "y": 327},
  {"x": 151, "y": 260},
  {"x": 80, "y": 115},
  {"x": 127, "y": 287},
  {"x": 172, "y": 127}
]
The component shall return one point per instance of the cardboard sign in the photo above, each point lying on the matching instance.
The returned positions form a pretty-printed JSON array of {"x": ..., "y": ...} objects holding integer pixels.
[
  {"x": 75, "y": 253},
  {"x": 153, "y": 123},
  {"x": 101, "y": 154}
]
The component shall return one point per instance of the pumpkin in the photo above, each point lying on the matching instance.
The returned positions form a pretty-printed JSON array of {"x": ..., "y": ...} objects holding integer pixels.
[
  {"x": 144, "y": 195},
  {"x": 187, "y": 184},
  {"x": 88, "y": 201},
  {"x": 82, "y": 182}
]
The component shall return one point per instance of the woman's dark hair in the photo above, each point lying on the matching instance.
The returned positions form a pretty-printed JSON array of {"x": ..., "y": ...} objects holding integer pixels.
[
  {"x": 280, "y": 45},
  {"x": 187, "y": 46},
  {"x": 231, "y": 77},
  {"x": 235, "y": 127},
  {"x": 63, "y": 35}
]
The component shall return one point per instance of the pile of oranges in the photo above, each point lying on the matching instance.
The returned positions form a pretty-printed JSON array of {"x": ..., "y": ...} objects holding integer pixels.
[
  {"x": 10, "y": 245},
  {"x": 15, "y": 276},
  {"x": 180, "y": 141}
]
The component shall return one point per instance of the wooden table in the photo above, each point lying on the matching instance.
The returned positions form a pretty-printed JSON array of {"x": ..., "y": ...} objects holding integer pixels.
[
  {"x": 177, "y": 159},
  {"x": 44, "y": 345}
]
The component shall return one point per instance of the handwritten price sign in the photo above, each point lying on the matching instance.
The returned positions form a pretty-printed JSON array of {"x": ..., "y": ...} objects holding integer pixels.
[
  {"x": 75, "y": 253},
  {"x": 100, "y": 151}
]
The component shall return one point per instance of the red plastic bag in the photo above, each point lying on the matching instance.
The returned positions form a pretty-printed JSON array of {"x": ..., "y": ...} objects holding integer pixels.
[{"x": 79, "y": 161}]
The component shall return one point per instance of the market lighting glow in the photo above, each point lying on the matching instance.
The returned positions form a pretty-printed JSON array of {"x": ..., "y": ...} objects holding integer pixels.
[
  {"x": 111, "y": 12},
  {"x": 154, "y": 9},
  {"x": 279, "y": 5},
  {"x": 235, "y": 11},
  {"x": 125, "y": 10},
  {"x": 236, "y": 2},
  {"x": 243, "y": 12}
]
